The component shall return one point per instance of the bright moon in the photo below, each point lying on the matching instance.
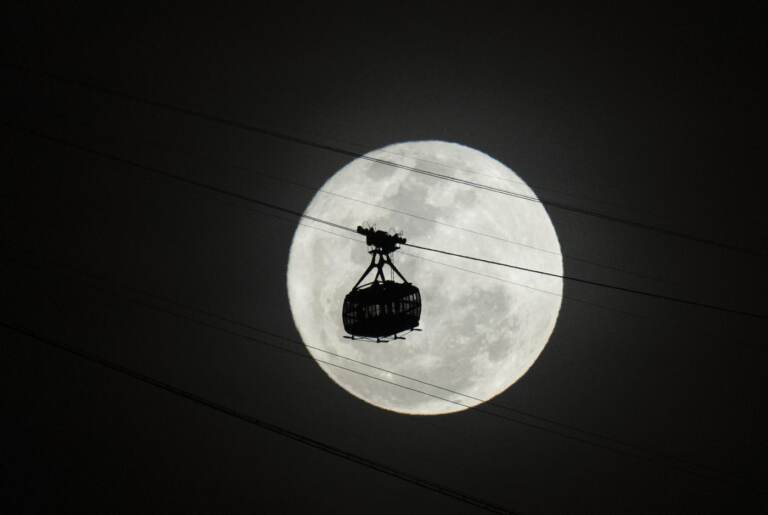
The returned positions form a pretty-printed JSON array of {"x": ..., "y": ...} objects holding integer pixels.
[{"x": 483, "y": 326}]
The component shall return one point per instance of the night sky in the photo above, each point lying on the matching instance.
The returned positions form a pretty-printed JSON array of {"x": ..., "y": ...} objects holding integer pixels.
[{"x": 655, "y": 117}]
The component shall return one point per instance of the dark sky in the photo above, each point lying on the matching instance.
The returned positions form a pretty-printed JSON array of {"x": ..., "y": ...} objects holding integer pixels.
[{"x": 652, "y": 116}]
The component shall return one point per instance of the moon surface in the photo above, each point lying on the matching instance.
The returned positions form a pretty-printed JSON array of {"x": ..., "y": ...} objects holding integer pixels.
[{"x": 483, "y": 326}]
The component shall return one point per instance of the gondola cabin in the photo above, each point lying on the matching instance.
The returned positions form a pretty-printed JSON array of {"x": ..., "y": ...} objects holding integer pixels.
[{"x": 381, "y": 309}]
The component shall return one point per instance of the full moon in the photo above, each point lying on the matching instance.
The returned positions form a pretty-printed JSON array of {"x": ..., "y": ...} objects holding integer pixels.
[{"x": 482, "y": 326}]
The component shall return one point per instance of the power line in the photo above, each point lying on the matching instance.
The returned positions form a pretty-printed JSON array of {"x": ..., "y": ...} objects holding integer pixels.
[
  {"x": 537, "y": 186},
  {"x": 176, "y": 177},
  {"x": 480, "y": 274},
  {"x": 300, "y": 216},
  {"x": 624, "y": 448},
  {"x": 357, "y": 155},
  {"x": 222, "y": 191},
  {"x": 263, "y": 424},
  {"x": 493, "y": 277},
  {"x": 297, "y": 184},
  {"x": 595, "y": 283}
]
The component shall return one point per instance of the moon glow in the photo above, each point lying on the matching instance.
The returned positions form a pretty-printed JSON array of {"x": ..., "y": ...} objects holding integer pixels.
[{"x": 483, "y": 326}]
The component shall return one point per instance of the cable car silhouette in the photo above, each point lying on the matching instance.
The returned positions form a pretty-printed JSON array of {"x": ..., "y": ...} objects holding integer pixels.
[{"x": 381, "y": 308}]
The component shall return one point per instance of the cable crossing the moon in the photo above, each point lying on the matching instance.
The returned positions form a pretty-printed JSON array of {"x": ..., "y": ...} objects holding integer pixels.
[
  {"x": 241, "y": 197},
  {"x": 284, "y": 180},
  {"x": 257, "y": 422},
  {"x": 222, "y": 191},
  {"x": 614, "y": 445},
  {"x": 342, "y": 151}
]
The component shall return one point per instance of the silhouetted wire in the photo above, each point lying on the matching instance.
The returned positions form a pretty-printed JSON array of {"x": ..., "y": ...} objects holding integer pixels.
[
  {"x": 473, "y": 272},
  {"x": 435, "y": 386},
  {"x": 250, "y": 170},
  {"x": 466, "y": 270},
  {"x": 338, "y": 150},
  {"x": 511, "y": 180},
  {"x": 595, "y": 283},
  {"x": 222, "y": 191},
  {"x": 176, "y": 177},
  {"x": 261, "y": 423},
  {"x": 538, "y": 186},
  {"x": 314, "y": 219},
  {"x": 624, "y": 449}
]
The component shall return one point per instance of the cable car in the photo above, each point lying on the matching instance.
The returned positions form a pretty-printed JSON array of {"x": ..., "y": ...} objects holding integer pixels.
[{"x": 381, "y": 308}]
